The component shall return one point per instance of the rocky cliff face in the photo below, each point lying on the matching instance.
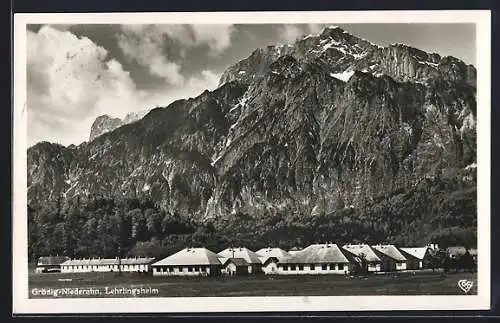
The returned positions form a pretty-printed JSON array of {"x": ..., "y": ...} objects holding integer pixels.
[
  {"x": 105, "y": 123},
  {"x": 329, "y": 123},
  {"x": 338, "y": 51}
]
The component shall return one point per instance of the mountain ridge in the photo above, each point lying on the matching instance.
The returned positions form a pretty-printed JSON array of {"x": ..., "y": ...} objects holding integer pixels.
[{"x": 329, "y": 126}]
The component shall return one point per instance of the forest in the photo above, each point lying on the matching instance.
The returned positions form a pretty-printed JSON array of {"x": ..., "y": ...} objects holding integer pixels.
[{"x": 437, "y": 212}]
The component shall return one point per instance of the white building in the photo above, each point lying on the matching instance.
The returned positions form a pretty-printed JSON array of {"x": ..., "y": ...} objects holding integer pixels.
[
  {"x": 106, "y": 265},
  {"x": 235, "y": 266},
  {"x": 189, "y": 262},
  {"x": 248, "y": 255},
  {"x": 317, "y": 259},
  {"x": 364, "y": 253},
  {"x": 392, "y": 258},
  {"x": 50, "y": 264},
  {"x": 270, "y": 257},
  {"x": 415, "y": 257}
]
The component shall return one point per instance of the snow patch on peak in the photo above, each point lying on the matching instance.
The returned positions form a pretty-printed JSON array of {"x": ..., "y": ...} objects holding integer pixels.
[
  {"x": 471, "y": 166},
  {"x": 344, "y": 76}
]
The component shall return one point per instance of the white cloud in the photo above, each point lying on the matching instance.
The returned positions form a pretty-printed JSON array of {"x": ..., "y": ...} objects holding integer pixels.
[
  {"x": 70, "y": 81},
  {"x": 194, "y": 86},
  {"x": 218, "y": 37},
  {"x": 145, "y": 45},
  {"x": 315, "y": 28},
  {"x": 290, "y": 33}
]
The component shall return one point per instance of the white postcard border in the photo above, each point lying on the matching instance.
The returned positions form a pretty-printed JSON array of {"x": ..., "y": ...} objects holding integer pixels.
[{"x": 21, "y": 302}]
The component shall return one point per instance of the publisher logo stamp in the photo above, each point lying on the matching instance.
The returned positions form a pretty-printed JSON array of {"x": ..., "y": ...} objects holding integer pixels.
[{"x": 465, "y": 285}]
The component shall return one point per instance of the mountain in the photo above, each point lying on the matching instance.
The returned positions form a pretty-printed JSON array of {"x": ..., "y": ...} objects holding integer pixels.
[
  {"x": 338, "y": 51},
  {"x": 105, "y": 123},
  {"x": 330, "y": 133}
]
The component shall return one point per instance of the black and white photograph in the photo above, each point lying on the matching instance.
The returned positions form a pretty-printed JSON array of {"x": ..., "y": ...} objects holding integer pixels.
[{"x": 252, "y": 161}]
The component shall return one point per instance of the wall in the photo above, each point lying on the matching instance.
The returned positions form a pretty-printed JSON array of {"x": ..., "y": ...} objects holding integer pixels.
[
  {"x": 180, "y": 271},
  {"x": 372, "y": 267},
  {"x": 271, "y": 268},
  {"x": 336, "y": 269},
  {"x": 401, "y": 266},
  {"x": 104, "y": 268}
]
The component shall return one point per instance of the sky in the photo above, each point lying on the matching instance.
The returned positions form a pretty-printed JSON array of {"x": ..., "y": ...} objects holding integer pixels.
[{"x": 76, "y": 73}]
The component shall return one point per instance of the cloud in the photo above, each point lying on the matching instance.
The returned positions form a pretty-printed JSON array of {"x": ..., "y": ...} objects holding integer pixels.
[
  {"x": 70, "y": 81},
  {"x": 194, "y": 86},
  {"x": 218, "y": 37},
  {"x": 315, "y": 28},
  {"x": 145, "y": 44},
  {"x": 291, "y": 33}
]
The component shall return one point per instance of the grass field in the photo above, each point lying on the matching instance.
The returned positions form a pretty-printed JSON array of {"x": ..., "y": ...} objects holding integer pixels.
[{"x": 328, "y": 285}]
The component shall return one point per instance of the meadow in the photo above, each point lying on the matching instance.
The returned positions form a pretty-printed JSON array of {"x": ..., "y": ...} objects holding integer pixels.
[{"x": 425, "y": 283}]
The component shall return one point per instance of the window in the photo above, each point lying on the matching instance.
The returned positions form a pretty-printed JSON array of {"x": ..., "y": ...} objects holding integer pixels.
[
  {"x": 293, "y": 267},
  {"x": 301, "y": 267},
  {"x": 190, "y": 269},
  {"x": 285, "y": 268},
  {"x": 332, "y": 266},
  {"x": 311, "y": 267},
  {"x": 324, "y": 267},
  {"x": 341, "y": 266}
]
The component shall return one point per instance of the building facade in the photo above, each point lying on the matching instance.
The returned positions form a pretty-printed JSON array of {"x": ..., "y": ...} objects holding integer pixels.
[
  {"x": 140, "y": 265},
  {"x": 416, "y": 257},
  {"x": 189, "y": 262},
  {"x": 317, "y": 259},
  {"x": 244, "y": 253},
  {"x": 365, "y": 256},
  {"x": 50, "y": 264},
  {"x": 392, "y": 259}
]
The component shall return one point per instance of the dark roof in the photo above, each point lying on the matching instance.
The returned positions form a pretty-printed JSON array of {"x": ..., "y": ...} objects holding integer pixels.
[
  {"x": 237, "y": 261},
  {"x": 390, "y": 251},
  {"x": 50, "y": 261},
  {"x": 362, "y": 249}
]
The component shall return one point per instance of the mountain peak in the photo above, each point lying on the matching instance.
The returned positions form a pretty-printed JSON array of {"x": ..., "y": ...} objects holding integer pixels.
[{"x": 105, "y": 123}]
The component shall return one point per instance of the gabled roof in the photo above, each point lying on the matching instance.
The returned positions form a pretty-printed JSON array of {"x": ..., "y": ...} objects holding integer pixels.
[
  {"x": 390, "y": 251},
  {"x": 362, "y": 249},
  {"x": 137, "y": 261},
  {"x": 107, "y": 261},
  {"x": 272, "y": 252},
  {"x": 317, "y": 253},
  {"x": 247, "y": 254},
  {"x": 190, "y": 256},
  {"x": 239, "y": 262},
  {"x": 76, "y": 262},
  {"x": 265, "y": 260},
  {"x": 294, "y": 250},
  {"x": 103, "y": 261},
  {"x": 417, "y": 252},
  {"x": 50, "y": 261}
]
